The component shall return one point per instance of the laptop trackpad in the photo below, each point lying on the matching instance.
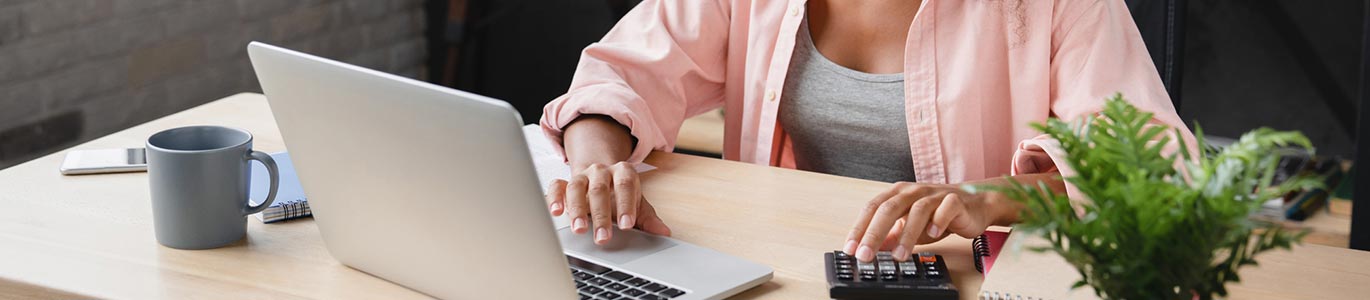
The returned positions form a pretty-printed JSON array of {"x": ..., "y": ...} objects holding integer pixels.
[{"x": 624, "y": 247}]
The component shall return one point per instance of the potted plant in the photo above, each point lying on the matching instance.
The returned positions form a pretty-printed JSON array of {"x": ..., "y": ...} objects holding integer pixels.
[{"x": 1153, "y": 227}]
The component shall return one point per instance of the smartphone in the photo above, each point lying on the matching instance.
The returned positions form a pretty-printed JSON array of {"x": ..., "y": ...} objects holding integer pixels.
[{"x": 104, "y": 161}]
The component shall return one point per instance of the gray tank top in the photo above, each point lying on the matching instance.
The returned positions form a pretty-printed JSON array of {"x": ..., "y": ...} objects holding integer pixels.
[{"x": 842, "y": 121}]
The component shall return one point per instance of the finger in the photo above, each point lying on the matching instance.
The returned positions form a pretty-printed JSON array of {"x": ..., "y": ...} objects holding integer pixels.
[
  {"x": 919, "y": 215},
  {"x": 577, "y": 207},
  {"x": 863, "y": 220},
  {"x": 885, "y": 216},
  {"x": 892, "y": 238},
  {"x": 650, "y": 221},
  {"x": 951, "y": 208},
  {"x": 600, "y": 193},
  {"x": 963, "y": 222},
  {"x": 556, "y": 196},
  {"x": 626, "y": 194}
]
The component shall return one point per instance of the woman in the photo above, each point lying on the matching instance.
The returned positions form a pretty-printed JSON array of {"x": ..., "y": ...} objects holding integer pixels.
[{"x": 929, "y": 94}]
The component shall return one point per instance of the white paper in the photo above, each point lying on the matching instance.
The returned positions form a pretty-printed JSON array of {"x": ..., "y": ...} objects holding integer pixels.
[{"x": 549, "y": 164}]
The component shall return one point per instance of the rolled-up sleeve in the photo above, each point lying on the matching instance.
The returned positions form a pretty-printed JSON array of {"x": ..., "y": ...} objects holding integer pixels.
[
  {"x": 663, "y": 62},
  {"x": 1096, "y": 52}
]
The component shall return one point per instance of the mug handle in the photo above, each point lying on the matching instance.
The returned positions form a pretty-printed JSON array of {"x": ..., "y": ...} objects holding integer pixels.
[{"x": 275, "y": 182}]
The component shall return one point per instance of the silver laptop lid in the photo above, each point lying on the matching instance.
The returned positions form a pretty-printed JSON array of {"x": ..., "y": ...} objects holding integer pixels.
[{"x": 371, "y": 147}]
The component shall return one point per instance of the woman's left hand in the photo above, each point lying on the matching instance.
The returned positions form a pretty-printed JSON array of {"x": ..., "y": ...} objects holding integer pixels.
[{"x": 917, "y": 213}]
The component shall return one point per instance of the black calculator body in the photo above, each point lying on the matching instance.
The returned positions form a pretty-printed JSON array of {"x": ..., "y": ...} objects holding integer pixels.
[{"x": 923, "y": 276}]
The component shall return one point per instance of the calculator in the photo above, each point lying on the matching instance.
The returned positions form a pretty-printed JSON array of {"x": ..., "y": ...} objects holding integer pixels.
[{"x": 923, "y": 276}]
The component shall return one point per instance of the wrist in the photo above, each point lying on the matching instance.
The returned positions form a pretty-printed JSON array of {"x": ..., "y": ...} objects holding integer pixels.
[
  {"x": 1003, "y": 211},
  {"x": 596, "y": 139}
]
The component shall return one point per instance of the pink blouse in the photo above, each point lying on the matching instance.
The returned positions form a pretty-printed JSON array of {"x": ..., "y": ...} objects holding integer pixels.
[{"x": 976, "y": 74}]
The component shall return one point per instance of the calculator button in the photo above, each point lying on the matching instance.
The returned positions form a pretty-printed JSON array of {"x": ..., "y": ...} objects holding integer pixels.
[
  {"x": 927, "y": 258},
  {"x": 934, "y": 274},
  {"x": 867, "y": 277},
  {"x": 909, "y": 273},
  {"x": 845, "y": 271},
  {"x": 888, "y": 277},
  {"x": 847, "y": 276},
  {"x": 653, "y": 287},
  {"x": 844, "y": 267}
]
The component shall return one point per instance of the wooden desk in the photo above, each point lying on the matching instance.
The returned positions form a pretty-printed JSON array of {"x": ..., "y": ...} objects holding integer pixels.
[{"x": 91, "y": 236}]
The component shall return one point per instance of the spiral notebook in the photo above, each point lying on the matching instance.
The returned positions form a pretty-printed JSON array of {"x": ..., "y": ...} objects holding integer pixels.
[
  {"x": 1019, "y": 273},
  {"x": 290, "y": 201},
  {"x": 986, "y": 247}
]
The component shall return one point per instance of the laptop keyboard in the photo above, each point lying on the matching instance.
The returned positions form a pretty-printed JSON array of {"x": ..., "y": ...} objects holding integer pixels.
[{"x": 599, "y": 282}]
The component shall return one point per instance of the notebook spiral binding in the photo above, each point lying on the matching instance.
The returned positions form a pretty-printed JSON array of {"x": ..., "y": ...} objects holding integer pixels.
[
  {"x": 295, "y": 209},
  {"x": 980, "y": 248},
  {"x": 987, "y": 295}
]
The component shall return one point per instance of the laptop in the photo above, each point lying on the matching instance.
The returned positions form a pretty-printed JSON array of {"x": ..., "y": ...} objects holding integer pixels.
[{"x": 434, "y": 189}]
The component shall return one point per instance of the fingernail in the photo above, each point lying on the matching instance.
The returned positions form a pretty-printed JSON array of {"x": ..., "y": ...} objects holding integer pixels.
[
  {"x": 578, "y": 226},
  {"x": 625, "y": 222},
  {"x": 933, "y": 231},
  {"x": 865, "y": 253},
  {"x": 556, "y": 206},
  {"x": 901, "y": 253},
  {"x": 601, "y": 235},
  {"x": 850, "y": 248}
]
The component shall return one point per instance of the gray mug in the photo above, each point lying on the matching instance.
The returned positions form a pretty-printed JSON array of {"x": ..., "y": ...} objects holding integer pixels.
[{"x": 199, "y": 177}]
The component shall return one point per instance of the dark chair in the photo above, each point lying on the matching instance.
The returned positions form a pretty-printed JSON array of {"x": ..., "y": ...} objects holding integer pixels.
[
  {"x": 1161, "y": 23},
  {"x": 1360, "y": 209},
  {"x": 520, "y": 51}
]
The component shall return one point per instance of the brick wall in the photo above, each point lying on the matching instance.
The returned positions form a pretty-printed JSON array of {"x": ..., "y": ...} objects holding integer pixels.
[{"x": 74, "y": 70}]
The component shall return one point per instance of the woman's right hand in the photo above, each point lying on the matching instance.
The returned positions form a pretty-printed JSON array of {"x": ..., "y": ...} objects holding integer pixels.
[{"x": 604, "y": 190}]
